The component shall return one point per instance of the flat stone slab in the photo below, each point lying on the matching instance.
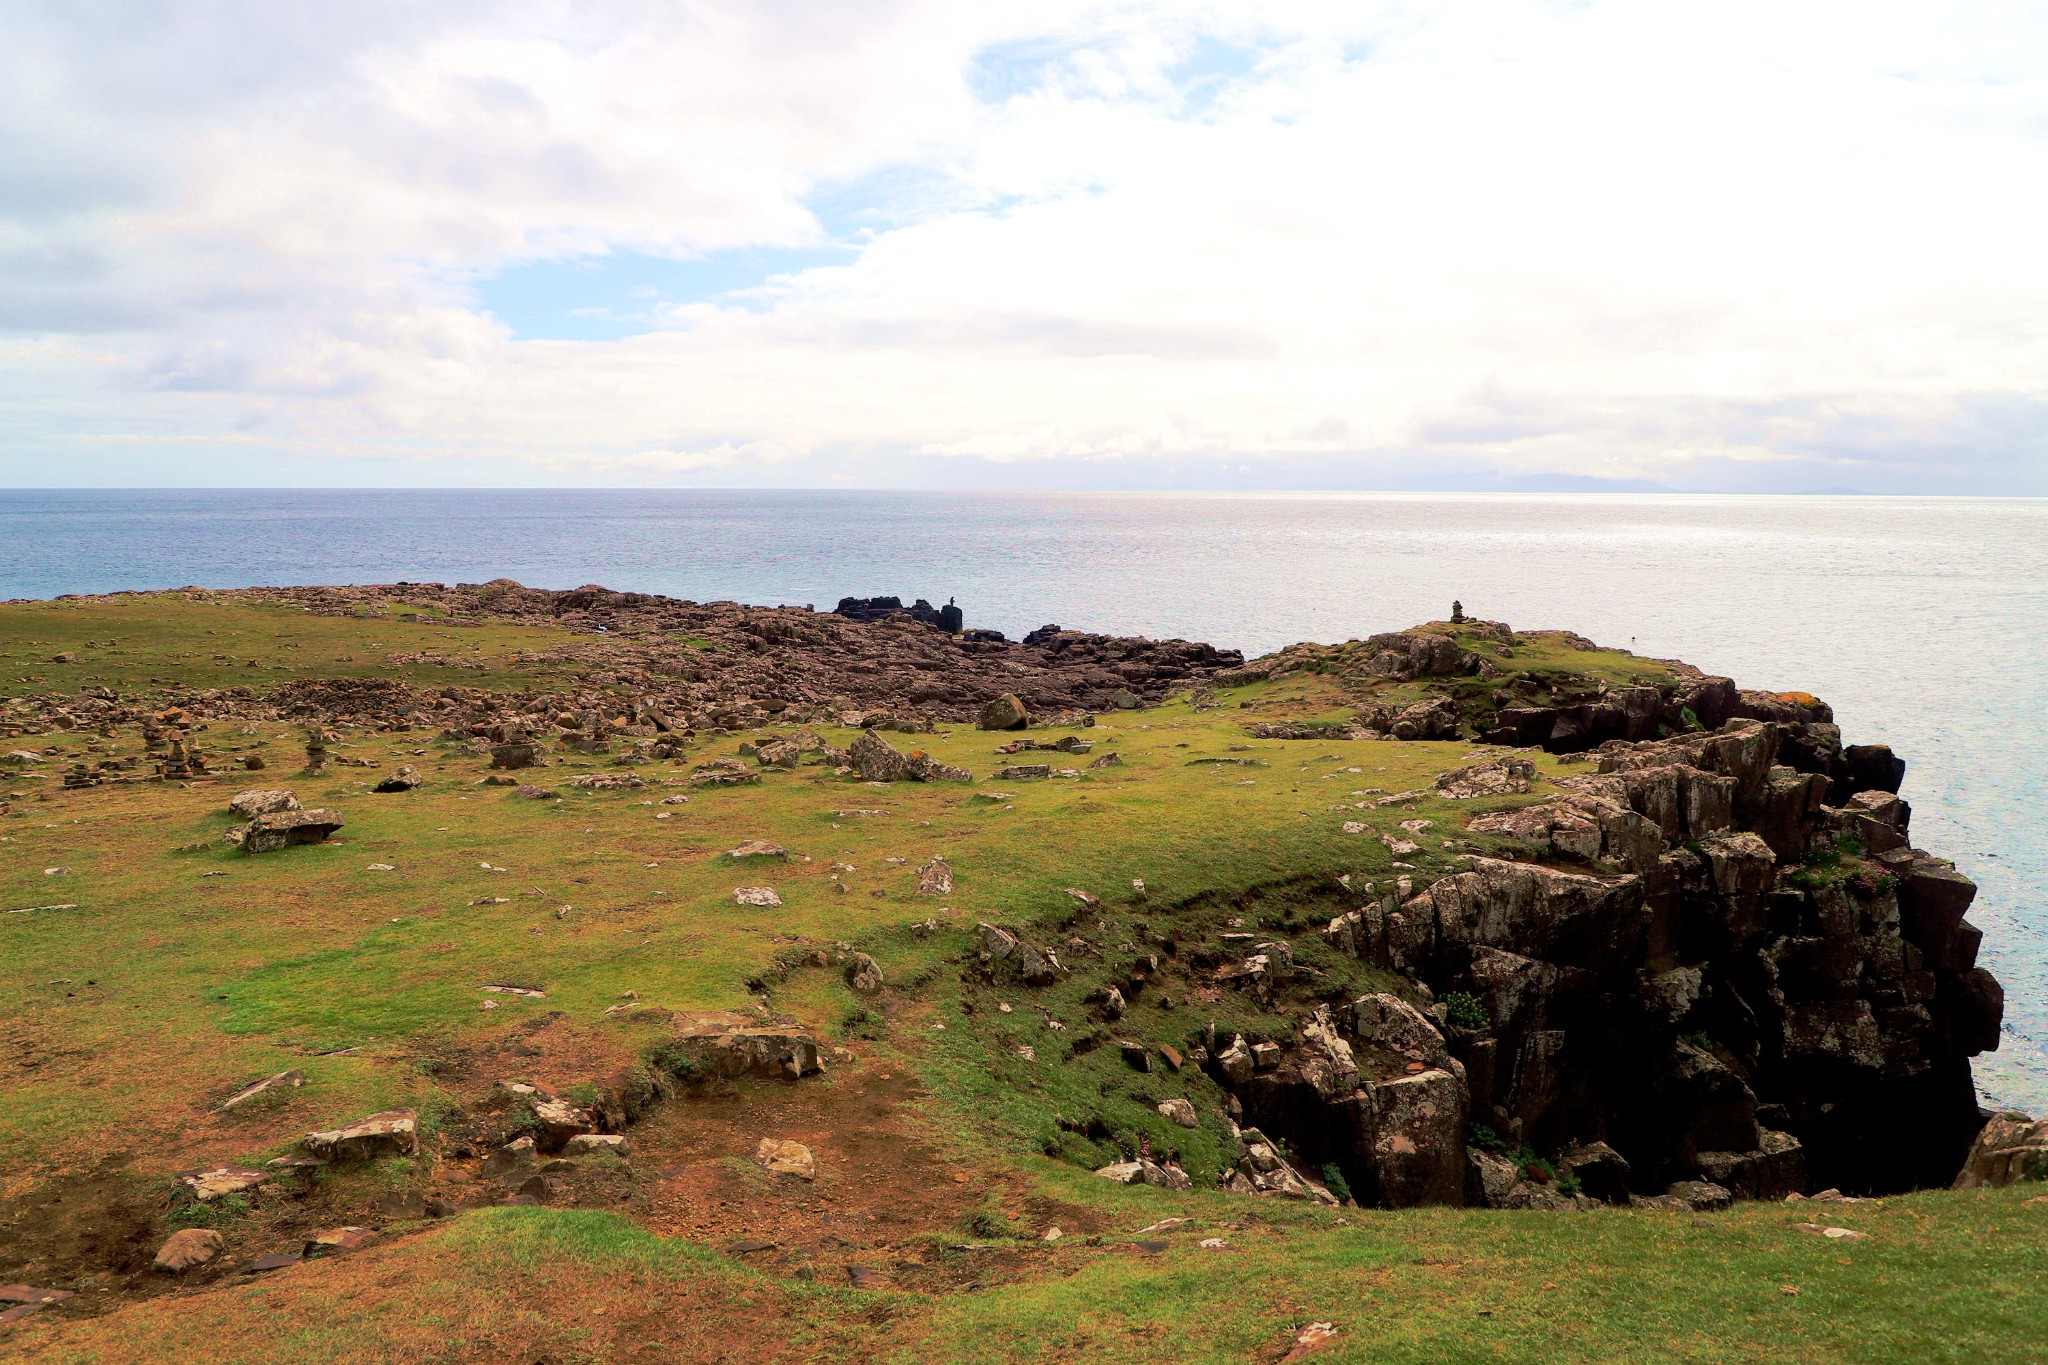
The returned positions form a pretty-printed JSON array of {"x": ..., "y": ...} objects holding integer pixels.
[
  {"x": 213, "y": 1182},
  {"x": 394, "y": 1132},
  {"x": 283, "y": 1080}
]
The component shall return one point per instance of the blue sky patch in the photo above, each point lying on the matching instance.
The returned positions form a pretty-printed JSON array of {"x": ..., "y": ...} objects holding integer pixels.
[{"x": 622, "y": 294}]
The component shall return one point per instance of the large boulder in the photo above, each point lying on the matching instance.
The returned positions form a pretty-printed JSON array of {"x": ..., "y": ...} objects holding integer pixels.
[
  {"x": 1004, "y": 713},
  {"x": 286, "y": 828}
]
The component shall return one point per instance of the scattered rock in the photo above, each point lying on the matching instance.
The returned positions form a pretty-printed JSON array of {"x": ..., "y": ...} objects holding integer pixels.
[
  {"x": 756, "y": 895},
  {"x": 283, "y": 1080},
  {"x": 1316, "y": 1335},
  {"x": 863, "y": 974},
  {"x": 286, "y": 828},
  {"x": 210, "y": 1184},
  {"x": 935, "y": 878},
  {"x": 340, "y": 1239},
  {"x": 187, "y": 1249},
  {"x": 783, "y": 1157},
  {"x": 560, "y": 1120},
  {"x": 1494, "y": 777},
  {"x": 404, "y": 780},
  {"x": 1833, "y": 1234},
  {"x": 1180, "y": 1112},
  {"x": 758, "y": 848},
  {"x": 1003, "y": 713},
  {"x": 394, "y": 1132},
  {"x": 250, "y": 804},
  {"x": 1699, "y": 1195},
  {"x": 583, "y": 1144},
  {"x": 728, "y": 1043}
]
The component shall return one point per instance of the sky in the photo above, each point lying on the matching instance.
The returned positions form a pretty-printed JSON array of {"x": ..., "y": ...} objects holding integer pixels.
[{"x": 1779, "y": 247}]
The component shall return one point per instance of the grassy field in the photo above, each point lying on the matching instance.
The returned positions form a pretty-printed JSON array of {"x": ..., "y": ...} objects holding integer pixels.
[{"x": 178, "y": 968}]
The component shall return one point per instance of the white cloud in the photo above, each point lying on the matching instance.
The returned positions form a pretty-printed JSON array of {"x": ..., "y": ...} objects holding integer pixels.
[{"x": 1754, "y": 245}]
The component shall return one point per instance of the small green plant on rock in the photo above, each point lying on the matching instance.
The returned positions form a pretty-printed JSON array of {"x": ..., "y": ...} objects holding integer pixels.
[{"x": 1464, "y": 1010}]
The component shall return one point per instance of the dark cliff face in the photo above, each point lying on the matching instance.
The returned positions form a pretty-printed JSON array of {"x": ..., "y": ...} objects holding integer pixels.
[{"x": 1730, "y": 965}]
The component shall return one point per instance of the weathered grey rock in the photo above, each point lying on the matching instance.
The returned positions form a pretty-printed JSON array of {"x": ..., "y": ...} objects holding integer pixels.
[
  {"x": 1235, "y": 1061},
  {"x": 515, "y": 1158},
  {"x": 583, "y": 1144},
  {"x": 1036, "y": 965},
  {"x": 1004, "y": 713},
  {"x": 517, "y": 753},
  {"x": 728, "y": 1043},
  {"x": 404, "y": 780},
  {"x": 1774, "y": 1169},
  {"x": 863, "y": 974},
  {"x": 1418, "y": 1144},
  {"x": 250, "y": 804},
  {"x": 1536, "y": 912},
  {"x": 394, "y": 1132},
  {"x": 997, "y": 945},
  {"x": 2012, "y": 1147},
  {"x": 559, "y": 1121},
  {"x": 1601, "y": 1171},
  {"x": 1391, "y": 1023},
  {"x": 935, "y": 878},
  {"x": 1494, "y": 777},
  {"x": 1701, "y": 1196},
  {"x": 1179, "y": 1111},
  {"x": 286, "y": 828}
]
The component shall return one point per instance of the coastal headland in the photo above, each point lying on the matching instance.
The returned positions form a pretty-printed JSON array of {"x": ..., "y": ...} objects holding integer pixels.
[{"x": 480, "y": 972}]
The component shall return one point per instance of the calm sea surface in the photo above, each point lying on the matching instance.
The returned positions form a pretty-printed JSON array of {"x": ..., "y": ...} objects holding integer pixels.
[{"x": 1923, "y": 620}]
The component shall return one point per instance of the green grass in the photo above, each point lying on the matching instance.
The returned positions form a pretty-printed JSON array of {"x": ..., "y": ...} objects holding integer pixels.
[{"x": 1942, "y": 1278}]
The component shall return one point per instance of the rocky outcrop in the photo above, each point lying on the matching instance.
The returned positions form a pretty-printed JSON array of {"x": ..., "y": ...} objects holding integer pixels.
[
  {"x": 2013, "y": 1147},
  {"x": 948, "y": 618},
  {"x": 1718, "y": 976},
  {"x": 876, "y": 760},
  {"x": 731, "y": 1044}
]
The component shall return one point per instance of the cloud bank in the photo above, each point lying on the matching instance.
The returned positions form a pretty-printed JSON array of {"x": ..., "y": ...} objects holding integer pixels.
[{"x": 762, "y": 242}]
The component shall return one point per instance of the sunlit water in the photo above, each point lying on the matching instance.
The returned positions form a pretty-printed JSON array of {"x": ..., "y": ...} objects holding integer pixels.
[{"x": 1923, "y": 620}]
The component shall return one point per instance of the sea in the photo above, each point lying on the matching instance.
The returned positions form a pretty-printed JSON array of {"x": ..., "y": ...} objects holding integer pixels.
[{"x": 1924, "y": 621}]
